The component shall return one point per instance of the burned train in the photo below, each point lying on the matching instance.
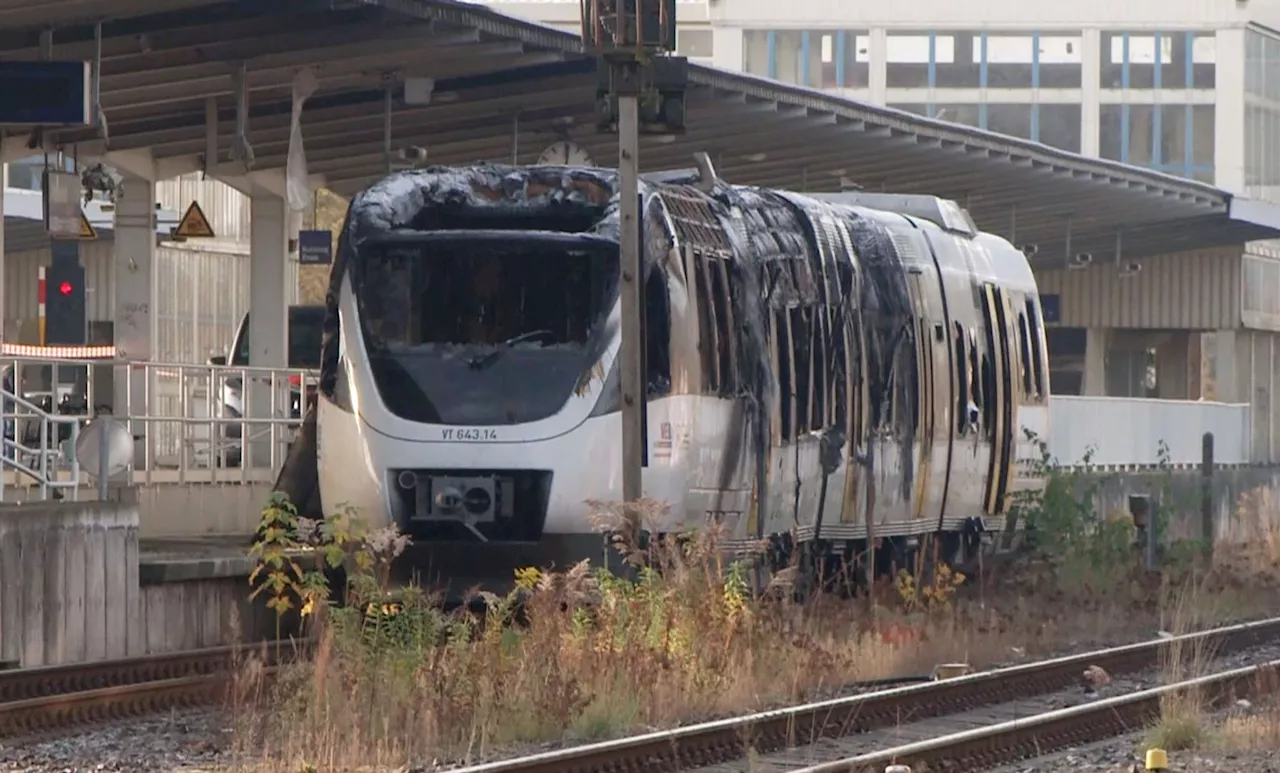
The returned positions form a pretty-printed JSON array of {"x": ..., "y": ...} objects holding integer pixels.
[{"x": 820, "y": 368}]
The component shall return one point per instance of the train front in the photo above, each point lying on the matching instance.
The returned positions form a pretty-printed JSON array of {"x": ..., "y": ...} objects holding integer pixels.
[{"x": 468, "y": 404}]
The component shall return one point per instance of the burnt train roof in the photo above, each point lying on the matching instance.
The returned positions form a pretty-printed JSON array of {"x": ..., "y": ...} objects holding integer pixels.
[{"x": 414, "y": 200}]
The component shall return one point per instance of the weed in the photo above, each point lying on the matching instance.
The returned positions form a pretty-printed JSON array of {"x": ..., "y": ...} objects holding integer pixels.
[{"x": 586, "y": 654}]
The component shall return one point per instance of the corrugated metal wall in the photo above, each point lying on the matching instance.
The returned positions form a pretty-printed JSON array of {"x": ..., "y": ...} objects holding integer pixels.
[
  {"x": 226, "y": 208},
  {"x": 1190, "y": 290},
  {"x": 201, "y": 294}
]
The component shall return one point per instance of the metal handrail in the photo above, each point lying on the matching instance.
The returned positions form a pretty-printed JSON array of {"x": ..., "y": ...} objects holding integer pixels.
[
  {"x": 47, "y": 451},
  {"x": 177, "y": 412}
]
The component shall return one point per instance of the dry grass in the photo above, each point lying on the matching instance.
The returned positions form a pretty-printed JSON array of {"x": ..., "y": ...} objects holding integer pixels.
[
  {"x": 1257, "y": 732},
  {"x": 594, "y": 656},
  {"x": 1181, "y": 725}
]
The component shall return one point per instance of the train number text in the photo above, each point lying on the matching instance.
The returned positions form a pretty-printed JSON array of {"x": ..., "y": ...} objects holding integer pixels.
[{"x": 468, "y": 433}]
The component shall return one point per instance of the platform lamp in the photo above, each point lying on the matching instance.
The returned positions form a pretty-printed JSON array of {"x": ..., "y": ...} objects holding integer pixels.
[{"x": 640, "y": 89}]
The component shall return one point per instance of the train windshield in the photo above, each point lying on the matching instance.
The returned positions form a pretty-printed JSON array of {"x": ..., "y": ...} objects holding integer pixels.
[{"x": 479, "y": 330}]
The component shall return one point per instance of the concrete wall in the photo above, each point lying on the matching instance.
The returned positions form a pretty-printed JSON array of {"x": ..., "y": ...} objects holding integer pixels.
[
  {"x": 1246, "y": 501},
  {"x": 69, "y": 582},
  {"x": 74, "y": 587},
  {"x": 201, "y": 509},
  {"x": 192, "y": 614}
]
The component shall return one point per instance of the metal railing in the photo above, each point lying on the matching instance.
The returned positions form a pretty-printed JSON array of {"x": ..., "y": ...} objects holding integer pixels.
[
  {"x": 190, "y": 423},
  {"x": 34, "y": 448}
]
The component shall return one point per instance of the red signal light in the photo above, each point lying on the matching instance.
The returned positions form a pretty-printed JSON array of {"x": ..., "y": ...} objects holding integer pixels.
[{"x": 65, "y": 288}]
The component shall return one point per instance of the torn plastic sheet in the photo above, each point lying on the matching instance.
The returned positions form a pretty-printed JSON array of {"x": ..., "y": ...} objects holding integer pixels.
[{"x": 297, "y": 181}]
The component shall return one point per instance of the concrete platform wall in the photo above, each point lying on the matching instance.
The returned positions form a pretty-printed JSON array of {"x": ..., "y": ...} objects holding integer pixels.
[
  {"x": 69, "y": 582},
  {"x": 1246, "y": 500},
  {"x": 170, "y": 510},
  {"x": 210, "y": 612}
]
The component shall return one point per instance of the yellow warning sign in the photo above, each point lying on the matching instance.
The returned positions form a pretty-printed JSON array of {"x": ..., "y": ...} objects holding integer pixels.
[
  {"x": 194, "y": 225},
  {"x": 87, "y": 231}
]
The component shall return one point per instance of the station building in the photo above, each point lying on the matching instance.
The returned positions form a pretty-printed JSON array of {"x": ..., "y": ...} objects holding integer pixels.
[{"x": 1187, "y": 88}]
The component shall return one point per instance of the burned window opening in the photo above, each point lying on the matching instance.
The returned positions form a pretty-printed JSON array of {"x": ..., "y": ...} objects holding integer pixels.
[
  {"x": 826, "y": 370},
  {"x": 1037, "y": 353},
  {"x": 1025, "y": 368},
  {"x": 786, "y": 375},
  {"x": 988, "y": 398},
  {"x": 975, "y": 379},
  {"x": 962, "y": 382},
  {"x": 716, "y": 339},
  {"x": 657, "y": 330},
  {"x": 707, "y": 328},
  {"x": 484, "y": 330},
  {"x": 802, "y": 356},
  {"x": 844, "y": 357},
  {"x": 725, "y": 352}
]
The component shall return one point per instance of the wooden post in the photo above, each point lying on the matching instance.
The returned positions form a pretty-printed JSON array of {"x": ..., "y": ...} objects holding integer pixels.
[{"x": 1206, "y": 497}]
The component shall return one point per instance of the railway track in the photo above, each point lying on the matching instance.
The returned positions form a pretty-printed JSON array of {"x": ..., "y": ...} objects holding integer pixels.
[
  {"x": 35, "y": 701},
  {"x": 43, "y": 700},
  {"x": 1050, "y": 731},
  {"x": 723, "y": 745}
]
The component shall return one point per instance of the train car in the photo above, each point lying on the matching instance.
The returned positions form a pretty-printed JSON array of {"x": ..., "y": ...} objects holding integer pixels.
[{"x": 822, "y": 370}]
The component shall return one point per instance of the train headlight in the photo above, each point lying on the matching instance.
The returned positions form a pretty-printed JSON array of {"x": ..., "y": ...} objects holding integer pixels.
[
  {"x": 449, "y": 500},
  {"x": 477, "y": 501}
]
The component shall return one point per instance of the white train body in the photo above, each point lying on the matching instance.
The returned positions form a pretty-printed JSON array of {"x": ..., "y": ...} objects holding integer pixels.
[{"x": 893, "y": 341}]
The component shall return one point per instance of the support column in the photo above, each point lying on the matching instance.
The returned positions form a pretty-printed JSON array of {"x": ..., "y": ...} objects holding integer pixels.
[
  {"x": 1226, "y": 364},
  {"x": 1090, "y": 78},
  {"x": 1095, "y": 362},
  {"x": 268, "y": 340},
  {"x": 1228, "y": 135},
  {"x": 135, "y": 286}
]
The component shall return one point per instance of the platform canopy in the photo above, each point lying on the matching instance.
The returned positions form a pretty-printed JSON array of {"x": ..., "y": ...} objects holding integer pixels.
[{"x": 504, "y": 90}]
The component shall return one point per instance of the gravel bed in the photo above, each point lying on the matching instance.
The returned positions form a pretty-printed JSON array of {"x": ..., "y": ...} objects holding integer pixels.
[
  {"x": 912, "y": 731},
  {"x": 1120, "y": 754},
  {"x": 198, "y": 740},
  {"x": 191, "y": 739}
]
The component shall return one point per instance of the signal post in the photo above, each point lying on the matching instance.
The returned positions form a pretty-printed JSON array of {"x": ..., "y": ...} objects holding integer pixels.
[{"x": 640, "y": 89}]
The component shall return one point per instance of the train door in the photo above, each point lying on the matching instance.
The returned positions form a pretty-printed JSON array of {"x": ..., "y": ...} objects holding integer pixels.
[
  {"x": 932, "y": 375},
  {"x": 999, "y": 396},
  {"x": 722, "y": 455},
  {"x": 933, "y": 371}
]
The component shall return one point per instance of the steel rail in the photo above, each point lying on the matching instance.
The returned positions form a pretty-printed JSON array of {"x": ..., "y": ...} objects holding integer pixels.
[
  {"x": 26, "y": 683},
  {"x": 1041, "y": 734},
  {"x": 710, "y": 743},
  {"x": 34, "y": 701}
]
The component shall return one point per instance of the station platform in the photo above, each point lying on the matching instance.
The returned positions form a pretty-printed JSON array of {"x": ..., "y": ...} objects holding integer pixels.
[{"x": 190, "y": 559}]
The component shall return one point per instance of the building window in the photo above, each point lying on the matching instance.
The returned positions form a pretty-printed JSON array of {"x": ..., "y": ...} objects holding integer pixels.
[
  {"x": 815, "y": 58},
  {"x": 1158, "y": 60},
  {"x": 1010, "y": 60},
  {"x": 1059, "y": 126},
  {"x": 1059, "y": 61},
  {"x": 1177, "y": 139},
  {"x": 696, "y": 44},
  {"x": 1261, "y": 285},
  {"x": 1262, "y": 146},
  {"x": 1262, "y": 65},
  {"x": 963, "y": 69},
  {"x": 911, "y": 58},
  {"x": 1013, "y": 120},
  {"x": 999, "y": 60}
]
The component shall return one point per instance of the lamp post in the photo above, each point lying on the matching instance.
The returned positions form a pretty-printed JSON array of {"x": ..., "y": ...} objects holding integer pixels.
[{"x": 640, "y": 89}]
